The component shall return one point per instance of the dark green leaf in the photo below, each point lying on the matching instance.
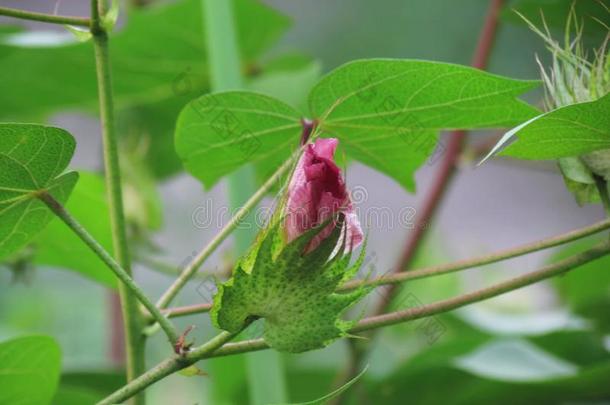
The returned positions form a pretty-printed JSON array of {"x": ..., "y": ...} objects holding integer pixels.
[
  {"x": 31, "y": 159},
  {"x": 29, "y": 370}
]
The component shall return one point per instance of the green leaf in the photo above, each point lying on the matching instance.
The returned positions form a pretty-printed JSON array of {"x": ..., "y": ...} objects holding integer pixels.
[
  {"x": 387, "y": 114},
  {"x": 109, "y": 20},
  {"x": 159, "y": 46},
  {"x": 58, "y": 246},
  {"x": 217, "y": 133},
  {"x": 568, "y": 131},
  {"x": 292, "y": 291},
  {"x": 31, "y": 159},
  {"x": 328, "y": 397},
  {"x": 29, "y": 370}
]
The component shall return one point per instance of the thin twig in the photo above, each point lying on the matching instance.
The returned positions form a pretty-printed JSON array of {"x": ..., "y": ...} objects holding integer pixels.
[
  {"x": 42, "y": 17},
  {"x": 217, "y": 347},
  {"x": 431, "y": 271}
]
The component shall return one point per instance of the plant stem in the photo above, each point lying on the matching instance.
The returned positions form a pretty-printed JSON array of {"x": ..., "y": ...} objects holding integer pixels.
[
  {"x": 48, "y": 18},
  {"x": 439, "y": 307},
  {"x": 166, "y": 368},
  {"x": 448, "y": 164},
  {"x": 132, "y": 319},
  {"x": 190, "y": 270},
  {"x": 121, "y": 274},
  {"x": 443, "y": 268},
  {"x": 217, "y": 347}
]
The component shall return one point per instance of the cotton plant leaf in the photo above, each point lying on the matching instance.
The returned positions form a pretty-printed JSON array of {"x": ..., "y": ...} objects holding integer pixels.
[
  {"x": 158, "y": 52},
  {"x": 217, "y": 133},
  {"x": 387, "y": 114},
  {"x": 573, "y": 130},
  {"x": 32, "y": 159},
  {"x": 292, "y": 291},
  {"x": 29, "y": 370}
]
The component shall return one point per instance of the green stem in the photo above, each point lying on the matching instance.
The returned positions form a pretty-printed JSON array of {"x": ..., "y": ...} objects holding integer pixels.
[
  {"x": 217, "y": 347},
  {"x": 444, "y": 268},
  {"x": 48, "y": 18},
  {"x": 132, "y": 319},
  {"x": 166, "y": 368},
  {"x": 439, "y": 307},
  {"x": 121, "y": 274},
  {"x": 190, "y": 270}
]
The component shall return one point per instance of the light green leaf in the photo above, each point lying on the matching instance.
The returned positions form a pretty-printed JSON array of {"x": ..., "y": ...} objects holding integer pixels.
[
  {"x": 58, "y": 246},
  {"x": 31, "y": 159},
  {"x": 294, "y": 292},
  {"x": 328, "y": 397},
  {"x": 568, "y": 131},
  {"x": 29, "y": 370},
  {"x": 387, "y": 113},
  {"x": 81, "y": 34},
  {"x": 219, "y": 132},
  {"x": 109, "y": 20}
]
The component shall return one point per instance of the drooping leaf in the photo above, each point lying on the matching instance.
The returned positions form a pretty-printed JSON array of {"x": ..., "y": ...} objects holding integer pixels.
[
  {"x": 58, "y": 246},
  {"x": 387, "y": 113},
  {"x": 568, "y": 131},
  {"x": 32, "y": 159},
  {"x": 293, "y": 292},
  {"x": 29, "y": 370},
  {"x": 217, "y": 133},
  {"x": 159, "y": 46}
]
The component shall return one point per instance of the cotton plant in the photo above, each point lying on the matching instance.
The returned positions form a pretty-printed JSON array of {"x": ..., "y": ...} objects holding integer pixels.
[{"x": 290, "y": 276}]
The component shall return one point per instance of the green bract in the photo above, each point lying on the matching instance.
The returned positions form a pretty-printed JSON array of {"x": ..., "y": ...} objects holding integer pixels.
[{"x": 294, "y": 292}]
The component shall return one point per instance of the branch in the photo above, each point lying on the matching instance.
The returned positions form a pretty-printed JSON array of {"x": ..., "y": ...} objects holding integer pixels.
[
  {"x": 190, "y": 270},
  {"x": 217, "y": 347},
  {"x": 132, "y": 319},
  {"x": 399, "y": 277},
  {"x": 448, "y": 164},
  {"x": 125, "y": 278},
  {"x": 48, "y": 18},
  {"x": 447, "y": 305},
  {"x": 166, "y": 368}
]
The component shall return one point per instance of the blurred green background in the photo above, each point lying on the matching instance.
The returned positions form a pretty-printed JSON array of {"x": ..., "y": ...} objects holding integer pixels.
[{"x": 546, "y": 344}]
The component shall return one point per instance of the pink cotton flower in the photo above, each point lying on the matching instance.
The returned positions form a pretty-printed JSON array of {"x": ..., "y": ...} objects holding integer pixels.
[{"x": 316, "y": 192}]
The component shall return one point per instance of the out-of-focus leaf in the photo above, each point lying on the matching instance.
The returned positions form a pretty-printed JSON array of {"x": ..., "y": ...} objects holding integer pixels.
[
  {"x": 555, "y": 12},
  {"x": 328, "y": 397},
  {"x": 419, "y": 381},
  {"x": 32, "y": 158},
  {"x": 58, "y": 246},
  {"x": 587, "y": 289},
  {"x": 29, "y": 370},
  {"x": 87, "y": 387},
  {"x": 158, "y": 46}
]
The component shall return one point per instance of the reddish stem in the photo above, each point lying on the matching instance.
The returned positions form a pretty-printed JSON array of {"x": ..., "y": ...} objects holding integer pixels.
[
  {"x": 448, "y": 164},
  {"x": 116, "y": 330}
]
